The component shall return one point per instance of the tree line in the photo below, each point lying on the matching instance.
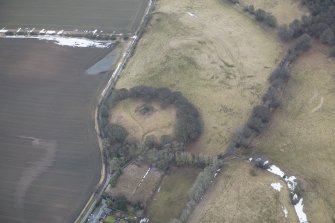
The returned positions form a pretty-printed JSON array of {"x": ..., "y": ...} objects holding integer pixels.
[
  {"x": 120, "y": 149},
  {"x": 271, "y": 100},
  {"x": 319, "y": 24},
  {"x": 260, "y": 15},
  {"x": 199, "y": 188}
]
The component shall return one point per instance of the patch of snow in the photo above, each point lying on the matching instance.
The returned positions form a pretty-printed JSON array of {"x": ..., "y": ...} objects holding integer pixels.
[
  {"x": 144, "y": 220},
  {"x": 31, "y": 30},
  {"x": 42, "y": 31},
  {"x": 295, "y": 196},
  {"x": 94, "y": 31},
  {"x": 291, "y": 182},
  {"x": 60, "y": 32},
  {"x": 146, "y": 173},
  {"x": 50, "y": 32},
  {"x": 76, "y": 42},
  {"x": 215, "y": 175},
  {"x": 299, "y": 210},
  {"x": 190, "y": 14},
  {"x": 18, "y": 30},
  {"x": 277, "y": 186},
  {"x": 159, "y": 189},
  {"x": 266, "y": 162},
  {"x": 285, "y": 212},
  {"x": 3, "y": 30},
  {"x": 69, "y": 41},
  {"x": 276, "y": 170}
]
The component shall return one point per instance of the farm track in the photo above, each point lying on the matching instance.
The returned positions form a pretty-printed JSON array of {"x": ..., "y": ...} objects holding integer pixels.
[{"x": 49, "y": 150}]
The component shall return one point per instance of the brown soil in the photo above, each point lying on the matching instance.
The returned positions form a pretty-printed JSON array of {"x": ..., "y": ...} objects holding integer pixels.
[
  {"x": 112, "y": 15},
  {"x": 131, "y": 185},
  {"x": 50, "y": 159}
]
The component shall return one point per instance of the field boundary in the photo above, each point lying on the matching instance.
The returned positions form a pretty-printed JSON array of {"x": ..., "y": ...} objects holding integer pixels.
[
  {"x": 105, "y": 171},
  {"x": 88, "y": 34}
]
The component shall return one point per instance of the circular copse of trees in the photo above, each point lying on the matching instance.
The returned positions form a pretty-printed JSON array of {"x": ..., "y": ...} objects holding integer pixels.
[{"x": 188, "y": 124}]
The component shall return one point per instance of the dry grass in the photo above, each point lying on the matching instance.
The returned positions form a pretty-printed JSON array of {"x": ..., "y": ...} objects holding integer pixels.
[
  {"x": 172, "y": 196},
  {"x": 237, "y": 196},
  {"x": 160, "y": 122},
  {"x": 130, "y": 183},
  {"x": 301, "y": 137},
  {"x": 284, "y": 10},
  {"x": 218, "y": 58}
]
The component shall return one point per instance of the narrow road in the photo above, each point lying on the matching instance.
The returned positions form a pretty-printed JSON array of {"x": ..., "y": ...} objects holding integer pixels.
[{"x": 105, "y": 173}]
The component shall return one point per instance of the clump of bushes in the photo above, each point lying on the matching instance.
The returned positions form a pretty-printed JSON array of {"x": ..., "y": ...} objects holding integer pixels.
[
  {"x": 302, "y": 45},
  {"x": 123, "y": 209},
  {"x": 250, "y": 9},
  {"x": 116, "y": 133},
  {"x": 265, "y": 17},
  {"x": 163, "y": 158},
  {"x": 319, "y": 24},
  {"x": 261, "y": 16}
]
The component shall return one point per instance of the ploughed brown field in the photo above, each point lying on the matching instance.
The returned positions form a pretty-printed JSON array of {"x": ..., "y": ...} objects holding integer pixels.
[
  {"x": 107, "y": 15},
  {"x": 49, "y": 157}
]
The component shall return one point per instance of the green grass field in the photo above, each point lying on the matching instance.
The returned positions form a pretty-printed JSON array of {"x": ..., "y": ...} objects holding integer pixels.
[{"x": 172, "y": 196}]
